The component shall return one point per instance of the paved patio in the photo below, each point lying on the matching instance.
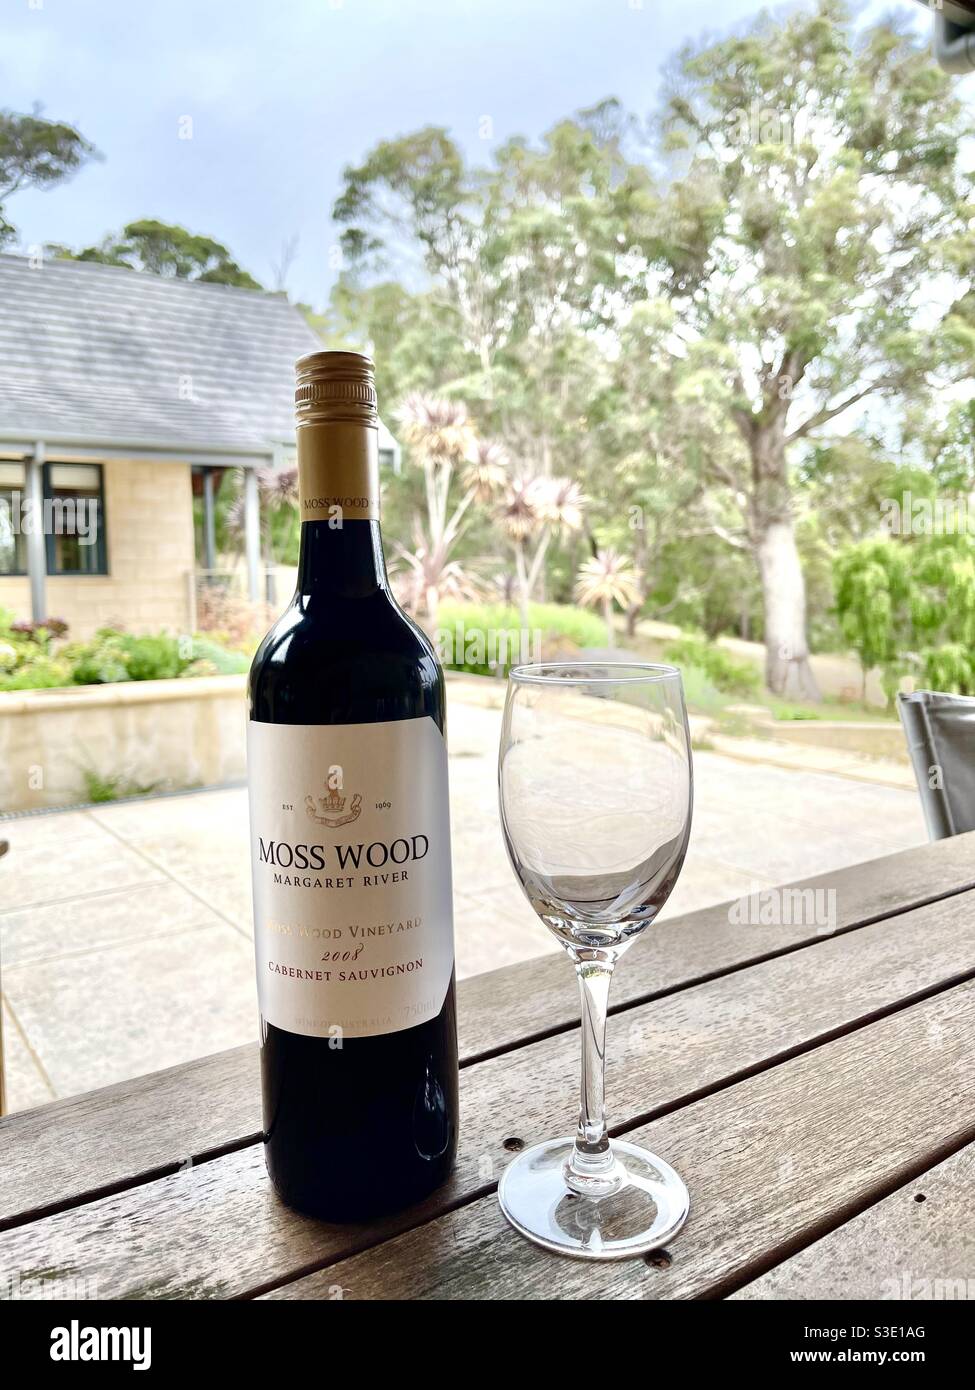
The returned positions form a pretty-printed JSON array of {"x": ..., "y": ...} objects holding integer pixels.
[{"x": 125, "y": 930}]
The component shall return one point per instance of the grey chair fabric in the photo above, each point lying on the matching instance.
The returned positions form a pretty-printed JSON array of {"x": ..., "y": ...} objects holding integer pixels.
[{"x": 940, "y": 731}]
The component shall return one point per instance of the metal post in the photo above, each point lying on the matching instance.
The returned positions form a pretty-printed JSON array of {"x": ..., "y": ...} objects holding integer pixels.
[
  {"x": 36, "y": 542},
  {"x": 209, "y": 522},
  {"x": 252, "y": 533}
]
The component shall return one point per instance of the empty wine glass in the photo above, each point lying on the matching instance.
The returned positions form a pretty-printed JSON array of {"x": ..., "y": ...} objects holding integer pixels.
[{"x": 596, "y": 790}]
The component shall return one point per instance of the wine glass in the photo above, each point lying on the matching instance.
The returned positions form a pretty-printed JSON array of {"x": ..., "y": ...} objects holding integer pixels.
[{"x": 595, "y": 789}]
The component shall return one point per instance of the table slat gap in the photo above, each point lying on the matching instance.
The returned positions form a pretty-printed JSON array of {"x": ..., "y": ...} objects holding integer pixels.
[
  {"x": 884, "y": 1191},
  {"x": 935, "y": 1226},
  {"x": 140, "y": 1179}
]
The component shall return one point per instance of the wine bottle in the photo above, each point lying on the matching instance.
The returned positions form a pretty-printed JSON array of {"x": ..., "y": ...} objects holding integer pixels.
[{"x": 350, "y": 845}]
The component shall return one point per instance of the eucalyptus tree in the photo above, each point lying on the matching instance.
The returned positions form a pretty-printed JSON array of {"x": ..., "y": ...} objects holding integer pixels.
[
  {"x": 818, "y": 195},
  {"x": 36, "y": 153}
]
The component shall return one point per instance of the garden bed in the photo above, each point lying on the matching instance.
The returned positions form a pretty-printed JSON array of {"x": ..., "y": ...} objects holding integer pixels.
[{"x": 66, "y": 746}]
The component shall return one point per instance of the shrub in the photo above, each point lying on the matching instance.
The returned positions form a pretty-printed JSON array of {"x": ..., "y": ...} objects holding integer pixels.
[
  {"x": 212, "y": 659},
  {"x": 485, "y": 639},
  {"x": 27, "y": 661},
  {"x": 700, "y": 692},
  {"x": 726, "y": 672},
  {"x": 156, "y": 658},
  {"x": 100, "y": 661},
  {"x": 39, "y": 673}
]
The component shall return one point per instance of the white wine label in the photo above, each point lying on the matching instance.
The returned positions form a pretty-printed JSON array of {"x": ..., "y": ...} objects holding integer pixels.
[{"x": 350, "y": 847}]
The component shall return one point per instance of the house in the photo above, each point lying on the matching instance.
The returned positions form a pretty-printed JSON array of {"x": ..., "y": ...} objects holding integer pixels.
[{"x": 123, "y": 395}]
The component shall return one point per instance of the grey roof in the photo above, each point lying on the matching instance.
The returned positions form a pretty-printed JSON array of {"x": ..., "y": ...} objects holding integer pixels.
[{"x": 96, "y": 354}]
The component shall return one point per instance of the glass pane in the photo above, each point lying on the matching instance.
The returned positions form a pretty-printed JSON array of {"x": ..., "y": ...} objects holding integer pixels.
[
  {"x": 85, "y": 477},
  {"x": 12, "y": 475},
  {"x": 13, "y": 543},
  {"x": 74, "y": 508}
]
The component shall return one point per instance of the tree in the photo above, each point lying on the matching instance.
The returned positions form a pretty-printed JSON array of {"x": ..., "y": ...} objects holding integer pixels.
[
  {"x": 444, "y": 441},
  {"x": 819, "y": 197},
  {"x": 908, "y": 605},
  {"x": 943, "y": 610},
  {"x": 511, "y": 266},
  {"x": 531, "y": 511},
  {"x": 162, "y": 248},
  {"x": 873, "y": 590},
  {"x": 35, "y": 153},
  {"x": 605, "y": 579}
]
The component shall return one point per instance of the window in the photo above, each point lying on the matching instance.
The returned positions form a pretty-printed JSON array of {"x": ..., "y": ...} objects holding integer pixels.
[
  {"x": 74, "y": 505},
  {"x": 13, "y": 542}
]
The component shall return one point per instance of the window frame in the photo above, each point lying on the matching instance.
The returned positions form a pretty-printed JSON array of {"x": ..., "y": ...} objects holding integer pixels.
[
  {"x": 101, "y": 542},
  {"x": 16, "y": 573}
]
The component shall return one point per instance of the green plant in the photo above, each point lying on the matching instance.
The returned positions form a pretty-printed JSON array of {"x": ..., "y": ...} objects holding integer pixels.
[
  {"x": 486, "y": 639},
  {"x": 210, "y": 658},
  {"x": 101, "y": 788},
  {"x": 950, "y": 667},
  {"x": 155, "y": 658},
  {"x": 113, "y": 656},
  {"x": 28, "y": 660},
  {"x": 793, "y": 712},
  {"x": 98, "y": 662},
  {"x": 726, "y": 672},
  {"x": 700, "y": 692},
  {"x": 37, "y": 673},
  {"x": 873, "y": 590}
]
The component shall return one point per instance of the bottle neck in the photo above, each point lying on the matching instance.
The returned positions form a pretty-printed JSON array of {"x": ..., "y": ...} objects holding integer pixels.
[
  {"x": 338, "y": 485},
  {"x": 341, "y": 561}
]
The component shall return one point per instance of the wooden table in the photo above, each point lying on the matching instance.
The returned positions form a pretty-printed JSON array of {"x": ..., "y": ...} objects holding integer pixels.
[{"x": 814, "y": 1089}]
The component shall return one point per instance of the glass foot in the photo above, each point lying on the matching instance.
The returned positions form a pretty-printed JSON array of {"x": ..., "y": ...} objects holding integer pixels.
[{"x": 649, "y": 1205}]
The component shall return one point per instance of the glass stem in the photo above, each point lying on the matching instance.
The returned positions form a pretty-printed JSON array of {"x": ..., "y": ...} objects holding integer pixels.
[{"x": 592, "y": 1167}]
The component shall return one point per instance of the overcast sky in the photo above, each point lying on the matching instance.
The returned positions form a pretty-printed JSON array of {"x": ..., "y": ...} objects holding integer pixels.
[{"x": 282, "y": 95}]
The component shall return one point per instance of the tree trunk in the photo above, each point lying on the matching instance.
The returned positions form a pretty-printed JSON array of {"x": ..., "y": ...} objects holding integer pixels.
[
  {"x": 521, "y": 569},
  {"x": 608, "y": 620},
  {"x": 787, "y": 669}
]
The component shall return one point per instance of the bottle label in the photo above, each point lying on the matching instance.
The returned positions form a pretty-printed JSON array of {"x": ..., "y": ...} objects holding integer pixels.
[
  {"x": 338, "y": 472},
  {"x": 350, "y": 848}
]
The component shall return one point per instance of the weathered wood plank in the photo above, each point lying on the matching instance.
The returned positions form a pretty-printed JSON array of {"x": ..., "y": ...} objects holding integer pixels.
[
  {"x": 89, "y": 1144},
  {"x": 506, "y": 1005},
  {"x": 770, "y": 1164},
  {"x": 151, "y": 1239},
  {"x": 64, "y": 1152},
  {"x": 918, "y": 1243}
]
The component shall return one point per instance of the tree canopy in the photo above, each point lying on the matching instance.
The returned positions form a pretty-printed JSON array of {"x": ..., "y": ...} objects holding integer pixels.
[
  {"x": 163, "y": 248},
  {"x": 36, "y": 153},
  {"x": 691, "y": 317}
]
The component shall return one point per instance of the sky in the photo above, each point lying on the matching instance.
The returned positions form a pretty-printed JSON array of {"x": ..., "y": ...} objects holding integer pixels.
[{"x": 281, "y": 96}]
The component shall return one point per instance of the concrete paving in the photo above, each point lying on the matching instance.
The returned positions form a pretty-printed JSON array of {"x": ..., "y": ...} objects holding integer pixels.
[{"x": 125, "y": 929}]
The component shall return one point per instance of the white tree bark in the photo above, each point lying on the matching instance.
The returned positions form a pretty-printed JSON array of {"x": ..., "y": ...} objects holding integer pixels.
[{"x": 787, "y": 669}]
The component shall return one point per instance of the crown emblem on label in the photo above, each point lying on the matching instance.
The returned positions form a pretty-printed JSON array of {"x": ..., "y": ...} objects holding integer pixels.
[{"x": 330, "y": 810}]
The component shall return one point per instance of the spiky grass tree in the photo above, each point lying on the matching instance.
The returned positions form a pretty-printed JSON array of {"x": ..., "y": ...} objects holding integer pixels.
[
  {"x": 445, "y": 445},
  {"x": 607, "y": 578}
]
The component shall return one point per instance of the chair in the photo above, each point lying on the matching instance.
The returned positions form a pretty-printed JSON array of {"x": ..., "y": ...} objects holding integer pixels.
[{"x": 940, "y": 731}]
